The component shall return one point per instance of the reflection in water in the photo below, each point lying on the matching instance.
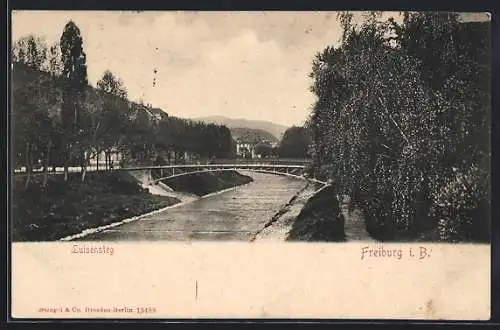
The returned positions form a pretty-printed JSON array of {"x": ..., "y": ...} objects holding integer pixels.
[{"x": 231, "y": 215}]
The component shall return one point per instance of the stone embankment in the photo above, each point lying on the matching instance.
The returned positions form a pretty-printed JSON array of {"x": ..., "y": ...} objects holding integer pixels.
[{"x": 314, "y": 214}]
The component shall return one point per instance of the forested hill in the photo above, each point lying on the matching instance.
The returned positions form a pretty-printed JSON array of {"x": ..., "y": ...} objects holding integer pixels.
[
  {"x": 275, "y": 129},
  {"x": 252, "y": 135}
]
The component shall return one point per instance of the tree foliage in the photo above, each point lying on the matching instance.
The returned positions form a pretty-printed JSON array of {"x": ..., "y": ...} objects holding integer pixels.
[
  {"x": 112, "y": 85},
  {"x": 31, "y": 51},
  {"x": 264, "y": 149},
  {"x": 59, "y": 120},
  {"x": 402, "y": 113},
  {"x": 295, "y": 143},
  {"x": 74, "y": 70}
]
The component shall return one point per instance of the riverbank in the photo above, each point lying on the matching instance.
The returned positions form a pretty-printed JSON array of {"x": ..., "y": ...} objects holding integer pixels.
[
  {"x": 278, "y": 227},
  {"x": 304, "y": 219},
  {"x": 157, "y": 188},
  {"x": 321, "y": 219},
  {"x": 312, "y": 214},
  {"x": 202, "y": 184},
  {"x": 66, "y": 208},
  {"x": 63, "y": 209}
]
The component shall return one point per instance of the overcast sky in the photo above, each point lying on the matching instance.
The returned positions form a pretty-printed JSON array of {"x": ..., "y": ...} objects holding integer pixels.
[{"x": 251, "y": 65}]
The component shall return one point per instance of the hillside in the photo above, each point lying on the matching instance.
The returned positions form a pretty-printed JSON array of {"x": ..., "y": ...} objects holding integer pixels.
[
  {"x": 249, "y": 134},
  {"x": 275, "y": 129},
  {"x": 141, "y": 132},
  {"x": 24, "y": 76}
]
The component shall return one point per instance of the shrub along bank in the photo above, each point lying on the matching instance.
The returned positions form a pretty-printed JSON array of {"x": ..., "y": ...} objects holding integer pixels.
[
  {"x": 66, "y": 208},
  {"x": 206, "y": 183},
  {"x": 320, "y": 219}
]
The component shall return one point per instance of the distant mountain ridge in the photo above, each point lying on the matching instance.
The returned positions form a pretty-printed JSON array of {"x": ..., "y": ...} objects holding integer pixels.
[{"x": 238, "y": 123}]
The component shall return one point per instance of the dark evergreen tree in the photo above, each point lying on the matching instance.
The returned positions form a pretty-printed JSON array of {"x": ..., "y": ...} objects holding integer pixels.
[{"x": 74, "y": 73}]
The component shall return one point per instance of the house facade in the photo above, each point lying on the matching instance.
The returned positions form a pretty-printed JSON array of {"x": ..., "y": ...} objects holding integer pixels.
[{"x": 245, "y": 148}]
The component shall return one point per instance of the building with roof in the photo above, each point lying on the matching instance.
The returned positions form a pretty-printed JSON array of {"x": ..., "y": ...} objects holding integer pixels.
[{"x": 245, "y": 148}]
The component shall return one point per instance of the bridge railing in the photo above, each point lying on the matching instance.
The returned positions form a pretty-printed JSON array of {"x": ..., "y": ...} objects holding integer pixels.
[
  {"x": 277, "y": 161},
  {"x": 254, "y": 166},
  {"x": 228, "y": 166},
  {"x": 284, "y": 161},
  {"x": 271, "y": 161}
]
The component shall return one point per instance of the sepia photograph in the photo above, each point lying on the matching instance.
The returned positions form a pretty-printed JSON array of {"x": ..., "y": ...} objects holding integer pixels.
[{"x": 251, "y": 127}]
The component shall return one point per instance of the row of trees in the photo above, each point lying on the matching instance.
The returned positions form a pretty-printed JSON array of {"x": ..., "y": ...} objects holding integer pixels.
[
  {"x": 60, "y": 120},
  {"x": 401, "y": 123}
]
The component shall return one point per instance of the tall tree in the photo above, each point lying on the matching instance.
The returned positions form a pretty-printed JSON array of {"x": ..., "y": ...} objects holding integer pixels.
[
  {"x": 401, "y": 120},
  {"x": 454, "y": 58},
  {"x": 74, "y": 72},
  {"x": 114, "y": 113},
  {"x": 295, "y": 143},
  {"x": 30, "y": 107},
  {"x": 54, "y": 61},
  {"x": 31, "y": 51},
  {"x": 33, "y": 122},
  {"x": 111, "y": 84}
]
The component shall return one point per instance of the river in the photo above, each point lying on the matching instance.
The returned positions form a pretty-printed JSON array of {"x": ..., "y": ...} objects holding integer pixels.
[{"x": 236, "y": 214}]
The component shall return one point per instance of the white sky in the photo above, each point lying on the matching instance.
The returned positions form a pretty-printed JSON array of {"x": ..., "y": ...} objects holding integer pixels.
[{"x": 251, "y": 65}]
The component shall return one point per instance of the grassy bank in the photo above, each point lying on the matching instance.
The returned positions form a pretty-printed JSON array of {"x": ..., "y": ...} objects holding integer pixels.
[
  {"x": 206, "y": 183},
  {"x": 320, "y": 219},
  {"x": 65, "y": 208}
]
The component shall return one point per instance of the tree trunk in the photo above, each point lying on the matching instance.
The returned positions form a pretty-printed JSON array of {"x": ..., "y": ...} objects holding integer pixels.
[
  {"x": 82, "y": 166},
  {"x": 111, "y": 162},
  {"x": 28, "y": 165},
  {"x": 84, "y": 171},
  {"x": 66, "y": 155},
  {"x": 85, "y": 160},
  {"x": 66, "y": 162},
  {"x": 97, "y": 161},
  {"x": 46, "y": 167}
]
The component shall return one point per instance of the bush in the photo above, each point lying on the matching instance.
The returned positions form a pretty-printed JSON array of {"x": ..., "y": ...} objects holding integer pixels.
[
  {"x": 205, "y": 183},
  {"x": 462, "y": 207},
  {"x": 320, "y": 219}
]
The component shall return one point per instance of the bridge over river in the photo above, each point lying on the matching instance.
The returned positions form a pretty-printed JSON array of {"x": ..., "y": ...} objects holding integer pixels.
[
  {"x": 235, "y": 214},
  {"x": 239, "y": 213}
]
